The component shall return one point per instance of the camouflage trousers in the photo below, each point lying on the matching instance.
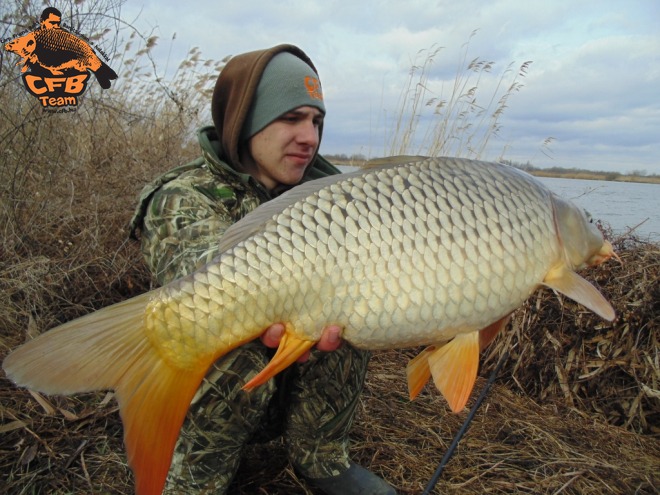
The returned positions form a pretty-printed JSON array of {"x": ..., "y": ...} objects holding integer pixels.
[{"x": 312, "y": 404}]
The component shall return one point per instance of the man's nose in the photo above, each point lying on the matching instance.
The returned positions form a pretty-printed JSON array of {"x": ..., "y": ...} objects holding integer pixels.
[{"x": 308, "y": 133}]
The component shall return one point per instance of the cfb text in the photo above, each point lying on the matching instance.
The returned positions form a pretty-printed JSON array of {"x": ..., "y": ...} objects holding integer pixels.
[{"x": 48, "y": 87}]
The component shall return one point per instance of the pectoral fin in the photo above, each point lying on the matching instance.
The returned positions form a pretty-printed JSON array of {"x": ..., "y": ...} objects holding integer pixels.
[
  {"x": 418, "y": 372},
  {"x": 572, "y": 285},
  {"x": 454, "y": 369},
  {"x": 289, "y": 350}
]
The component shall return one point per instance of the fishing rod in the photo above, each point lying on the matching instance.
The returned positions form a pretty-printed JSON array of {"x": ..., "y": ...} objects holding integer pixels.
[{"x": 436, "y": 476}]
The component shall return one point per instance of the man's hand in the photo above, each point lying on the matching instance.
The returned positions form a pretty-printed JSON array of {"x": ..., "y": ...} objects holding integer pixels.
[{"x": 330, "y": 338}]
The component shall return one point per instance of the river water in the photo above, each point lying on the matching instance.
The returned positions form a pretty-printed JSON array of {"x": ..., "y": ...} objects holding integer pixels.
[{"x": 621, "y": 205}]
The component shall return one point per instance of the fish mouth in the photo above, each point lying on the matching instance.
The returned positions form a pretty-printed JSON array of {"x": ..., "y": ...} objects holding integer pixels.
[{"x": 603, "y": 254}]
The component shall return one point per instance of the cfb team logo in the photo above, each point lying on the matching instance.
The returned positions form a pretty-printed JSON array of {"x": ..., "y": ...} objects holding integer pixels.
[{"x": 56, "y": 64}]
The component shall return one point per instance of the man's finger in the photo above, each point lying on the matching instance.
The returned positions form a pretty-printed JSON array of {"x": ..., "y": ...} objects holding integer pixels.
[
  {"x": 273, "y": 334},
  {"x": 330, "y": 338}
]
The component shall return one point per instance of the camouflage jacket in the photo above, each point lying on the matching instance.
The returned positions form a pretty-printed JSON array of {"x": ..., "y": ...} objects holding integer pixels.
[{"x": 183, "y": 213}]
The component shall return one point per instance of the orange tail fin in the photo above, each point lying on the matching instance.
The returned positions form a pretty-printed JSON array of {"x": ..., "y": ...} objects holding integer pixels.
[{"x": 108, "y": 349}]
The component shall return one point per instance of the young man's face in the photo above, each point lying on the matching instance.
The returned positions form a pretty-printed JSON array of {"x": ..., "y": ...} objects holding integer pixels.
[{"x": 281, "y": 152}]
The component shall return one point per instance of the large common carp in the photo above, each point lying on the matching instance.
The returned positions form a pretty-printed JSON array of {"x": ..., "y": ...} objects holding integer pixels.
[{"x": 419, "y": 251}]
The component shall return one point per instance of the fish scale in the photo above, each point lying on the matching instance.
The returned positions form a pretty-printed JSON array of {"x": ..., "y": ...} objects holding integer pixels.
[
  {"x": 59, "y": 40},
  {"x": 59, "y": 47}
]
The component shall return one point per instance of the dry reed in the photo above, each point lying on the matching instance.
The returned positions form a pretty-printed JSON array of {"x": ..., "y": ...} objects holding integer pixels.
[{"x": 460, "y": 117}]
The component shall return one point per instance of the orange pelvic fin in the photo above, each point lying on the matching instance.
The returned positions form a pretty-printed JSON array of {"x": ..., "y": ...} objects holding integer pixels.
[
  {"x": 109, "y": 349},
  {"x": 289, "y": 350},
  {"x": 454, "y": 369},
  {"x": 418, "y": 372},
  {"x": 488, "y": 334},
  {"x": 569, "y": 283}
]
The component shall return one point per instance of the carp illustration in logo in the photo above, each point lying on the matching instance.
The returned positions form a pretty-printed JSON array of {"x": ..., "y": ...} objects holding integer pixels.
[{"x": 51, "y": 51}]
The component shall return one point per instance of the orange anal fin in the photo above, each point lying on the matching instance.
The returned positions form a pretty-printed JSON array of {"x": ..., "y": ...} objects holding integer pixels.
[
  {"x": 289, "y": 350},
  {"x": 418, "y": 372},
  {"x": 569, "y": 283},
  {"x": 454, "y": 369},
  {"x": 488, "y": 334}
]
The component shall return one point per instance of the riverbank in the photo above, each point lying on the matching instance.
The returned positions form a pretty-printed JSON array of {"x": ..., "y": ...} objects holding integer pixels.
[
  {"x": 587, "y": 175},
  {"x": 555, "y": 172}
]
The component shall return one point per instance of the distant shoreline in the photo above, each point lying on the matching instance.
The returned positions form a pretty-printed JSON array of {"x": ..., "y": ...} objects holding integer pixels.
[
  {"x": 555, "y": 172},
  {"x": 587, "y": 175}
]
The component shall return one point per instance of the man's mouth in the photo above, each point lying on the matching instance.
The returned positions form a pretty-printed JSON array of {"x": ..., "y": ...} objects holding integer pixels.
[{"x": 300, "y": 158}]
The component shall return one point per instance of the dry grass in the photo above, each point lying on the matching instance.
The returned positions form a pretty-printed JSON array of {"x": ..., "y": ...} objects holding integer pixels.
[
  {"x": 575, "y": 410},
  {"x": 514, "y": 445},
  {"x": 608, "y": 371},
  {"x": 69, "y": 182},
  {"x": 68, "y": 187}
]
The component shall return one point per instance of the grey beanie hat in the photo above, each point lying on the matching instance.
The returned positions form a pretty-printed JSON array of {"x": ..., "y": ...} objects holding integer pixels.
[{"x": 286, "y": 83}]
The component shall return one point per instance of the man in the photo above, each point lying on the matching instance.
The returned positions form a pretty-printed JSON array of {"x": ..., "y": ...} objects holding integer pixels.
[{"x": 268, "y": 111}]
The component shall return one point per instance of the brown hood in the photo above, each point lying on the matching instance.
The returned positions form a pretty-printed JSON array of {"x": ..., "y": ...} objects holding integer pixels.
[{"x": 234, "y": 92}]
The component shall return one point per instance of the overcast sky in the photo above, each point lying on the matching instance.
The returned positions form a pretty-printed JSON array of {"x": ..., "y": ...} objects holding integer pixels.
[{"x": 593, "y": 86}]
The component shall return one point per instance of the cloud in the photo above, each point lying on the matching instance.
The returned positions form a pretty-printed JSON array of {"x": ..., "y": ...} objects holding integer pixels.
[
  {"x": 592, "y": 85},
  {"x": 598, "y": 96}
]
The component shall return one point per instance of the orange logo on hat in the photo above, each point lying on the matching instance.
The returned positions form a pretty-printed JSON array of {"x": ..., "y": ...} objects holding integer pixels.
[{"x": 313, "y": 88}]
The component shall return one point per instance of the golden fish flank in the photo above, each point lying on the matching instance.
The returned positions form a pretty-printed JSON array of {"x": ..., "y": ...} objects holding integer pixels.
[
  {"x": 432, "y": 251},
  {"x": 400, "y": 257}
]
